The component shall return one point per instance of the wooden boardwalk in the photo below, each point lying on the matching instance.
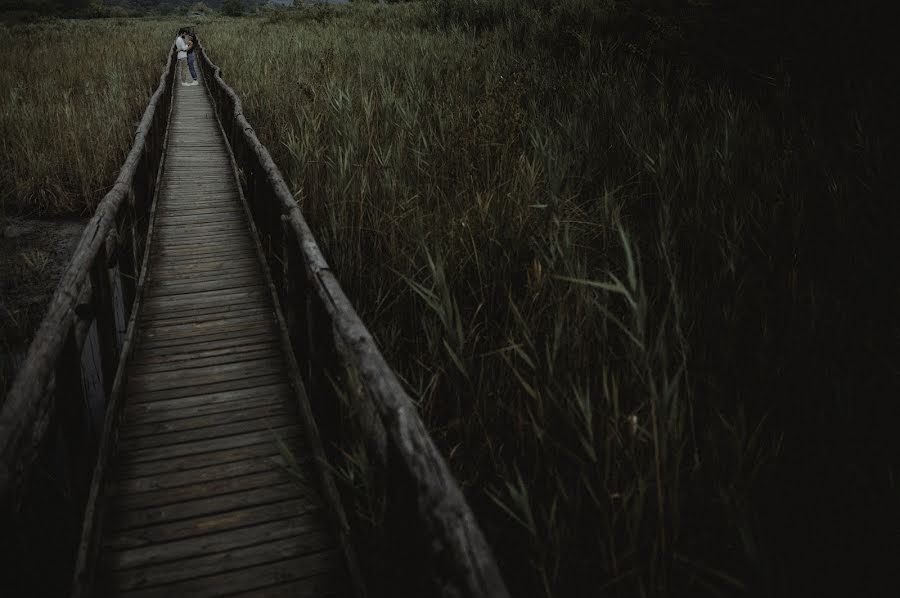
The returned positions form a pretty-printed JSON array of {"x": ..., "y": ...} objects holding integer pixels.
[{"x": 197, "y": 502}]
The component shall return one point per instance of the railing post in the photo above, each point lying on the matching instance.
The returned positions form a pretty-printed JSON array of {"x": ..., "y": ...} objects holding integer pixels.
[
  {"x": 105, "y": 319},
  {"x": 128, "y": 266},
  {"x": 289, "y": 288},
  {"x": 75, "y": 421}
]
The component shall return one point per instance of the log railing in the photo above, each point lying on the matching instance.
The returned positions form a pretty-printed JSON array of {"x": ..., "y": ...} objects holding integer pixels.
[
  {"x": 52, "y": 419},
  {"x": 429, "y": 540}
]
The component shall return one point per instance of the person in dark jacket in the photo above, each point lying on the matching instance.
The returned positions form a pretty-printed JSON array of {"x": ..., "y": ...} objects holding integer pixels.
[{"x": 191, "y": 40}]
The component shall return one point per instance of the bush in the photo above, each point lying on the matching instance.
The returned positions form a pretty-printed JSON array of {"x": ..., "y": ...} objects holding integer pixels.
[{"x": 233, "y": 8}]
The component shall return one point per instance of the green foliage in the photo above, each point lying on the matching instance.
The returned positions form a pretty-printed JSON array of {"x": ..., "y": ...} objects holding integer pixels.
[{"x": 233, "y": 8}]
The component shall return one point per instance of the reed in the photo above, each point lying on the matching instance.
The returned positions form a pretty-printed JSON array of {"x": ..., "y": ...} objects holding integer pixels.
[{"x": 72, "y": 92}]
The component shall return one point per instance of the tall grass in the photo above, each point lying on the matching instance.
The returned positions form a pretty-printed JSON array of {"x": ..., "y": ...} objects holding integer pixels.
[
  {"x": 71, "y": 93},
  {"x": 596, "y": 271}
]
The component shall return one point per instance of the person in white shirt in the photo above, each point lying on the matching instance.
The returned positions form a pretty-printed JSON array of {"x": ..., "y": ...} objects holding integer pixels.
[{"x": 182, "y": 47}]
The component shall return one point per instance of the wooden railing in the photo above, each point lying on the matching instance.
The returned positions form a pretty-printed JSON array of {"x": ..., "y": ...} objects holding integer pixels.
[
  {"x": 52, "y": 419},
  {"x": 432, "y": 543}
]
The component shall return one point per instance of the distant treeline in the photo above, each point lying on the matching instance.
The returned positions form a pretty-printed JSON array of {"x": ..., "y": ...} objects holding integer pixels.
[{"x": 113, "y": 8}]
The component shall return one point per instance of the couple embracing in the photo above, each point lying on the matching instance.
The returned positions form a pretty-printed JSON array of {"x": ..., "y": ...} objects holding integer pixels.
[{"x": 186, "y": 42}]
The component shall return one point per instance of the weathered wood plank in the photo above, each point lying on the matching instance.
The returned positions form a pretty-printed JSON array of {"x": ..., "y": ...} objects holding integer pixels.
[
  {"x": 224, "y": 322},
  {"x": 248, "y": 579},
  {"x": 273, "y": 419},
  {"x": 253, "y": 352},
  {"x": 239, "y": 383},
  {"x": 202, "y": 490},
  {"x": 263, "y": 445},
  {"x": 219, "y": 522},
  {"x": 203, "y": 349},
  {"x": 224, "y": 283},
  {"x": 245, "y": 498},
  {"x": 191, "y": 407},
  {"x": 237, "y": 332},
  {"x": 153, "y": 381},
  {"x": 207, "y": 314},
  {"x": 249, "y": 556},
  {"x": 229, "y": 298},
  {"x": 264, "y": 461},
  {"x": 203, "y": 446},
  {"x": 217, "y": 542},
  {"x": 203, "y": 266}
]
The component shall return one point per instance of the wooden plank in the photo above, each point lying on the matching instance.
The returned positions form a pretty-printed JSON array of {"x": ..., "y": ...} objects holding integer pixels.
[
  {"x": 303, "y": 587},
  {"x": 200, "y": 226},
  {"x": 275, "y": 418},
  {"x": 154, "y": 381},
  {"x": 228, "y": 200},
  {"x": 280, "y": 550},
  {"x": 174, "y": 282},
  {"x": 204, "y": 490},
  {"x": 193, "y": 391},
  {"x": 199, "y": 252},
  {"x": 208, "y": 266},
  {"x": 201, "y": 349},
  {"x": 142, "y": 414},
  {"x": 175, "y": 210},
  {"x": 219, "y": 522},
  {"x": 161, "y": 303},
  {"x": 247, "y": 579},
  {"x": 165, "y": 308},
  {"x": 225, "y": 283},
  {"x": 148, "y": 340},
  {"x": 215, "y": 236},
  {"x": 224, "y": 503},
  {"x": 207, "y": 314},
  {"x": 172, "y": 420},
  {"x": 204, "y": 446},
  {"x": 216, "y": 542},
  {"x": 177, "y": 479},
  {"x": 191, "y": 288},
  {"x": 211, "y": 234},
  {"x": 156, "y": 330},
  {"x": 263, "y": 445},
  {"x": 226, "y": 254},
  {"x": 186, "y": 350},
  {"x": 189, "y": 218},
  {"x": 174, "y": 230},
  {"x": 253, "y": 352},
  {"x": 231, "y": 242},
  {"x": 152, "y": 331},
  {"x": 240, "y": 411},
  {"x": 179, "y": 254}
]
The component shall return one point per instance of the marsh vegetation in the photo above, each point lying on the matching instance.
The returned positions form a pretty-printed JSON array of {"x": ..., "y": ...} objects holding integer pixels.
[{"x": 642, "y": 304}]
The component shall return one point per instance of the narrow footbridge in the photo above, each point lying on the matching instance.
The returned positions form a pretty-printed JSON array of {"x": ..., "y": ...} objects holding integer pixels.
[{"x": 197, "y": 381}]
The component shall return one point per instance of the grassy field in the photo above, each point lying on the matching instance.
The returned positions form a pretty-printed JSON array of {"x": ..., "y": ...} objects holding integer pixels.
[
  {"x": 71, "y": 93},
  {"x": 641, "y": 305}
]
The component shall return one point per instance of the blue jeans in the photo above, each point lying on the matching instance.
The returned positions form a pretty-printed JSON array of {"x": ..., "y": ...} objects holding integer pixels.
[{"x": 191, "y": 65}]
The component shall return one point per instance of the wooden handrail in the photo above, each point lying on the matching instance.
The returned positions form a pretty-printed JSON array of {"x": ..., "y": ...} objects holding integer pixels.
[
  {"x": 54, "y": 390},
  {"x": 429, "y": 523}
]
